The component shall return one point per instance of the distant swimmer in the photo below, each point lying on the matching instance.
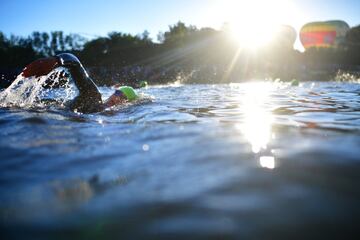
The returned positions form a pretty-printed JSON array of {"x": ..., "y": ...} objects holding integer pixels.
[{"x": 89, "y": 98}]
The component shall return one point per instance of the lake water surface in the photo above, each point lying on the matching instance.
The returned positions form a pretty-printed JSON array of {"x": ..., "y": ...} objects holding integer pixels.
[{"x": 257, "y": 160}]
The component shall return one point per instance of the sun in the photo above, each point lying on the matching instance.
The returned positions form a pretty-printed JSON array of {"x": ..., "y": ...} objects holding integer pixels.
[
  {"x": 253, "y": 23},
  {"x": 252, "y": 37}
]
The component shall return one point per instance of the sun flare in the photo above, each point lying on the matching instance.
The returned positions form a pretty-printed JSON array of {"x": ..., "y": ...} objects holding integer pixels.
[
  {"x": 250, "y": 36},
  {"x": 253, "y": 23}
]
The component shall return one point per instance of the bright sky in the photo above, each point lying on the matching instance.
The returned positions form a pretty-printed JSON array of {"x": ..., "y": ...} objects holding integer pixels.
[{"x": 98, "y": 17}]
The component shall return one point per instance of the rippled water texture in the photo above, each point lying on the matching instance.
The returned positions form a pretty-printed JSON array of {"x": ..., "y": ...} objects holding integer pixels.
[{"x": 256, "y": 160}]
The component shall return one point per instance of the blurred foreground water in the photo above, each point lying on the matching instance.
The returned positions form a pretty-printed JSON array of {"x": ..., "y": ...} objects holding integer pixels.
[{"x": 257, "y": 160}]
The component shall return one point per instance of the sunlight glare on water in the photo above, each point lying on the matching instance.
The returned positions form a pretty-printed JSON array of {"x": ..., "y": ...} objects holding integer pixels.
[
  {"x": 267, "y": 162},
  {"x": 258, "y": 120}
]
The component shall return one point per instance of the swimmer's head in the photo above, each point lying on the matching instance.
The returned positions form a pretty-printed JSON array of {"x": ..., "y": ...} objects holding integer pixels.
[
  {"x": 121, "y": 95},
  {"x": 129, "y": 93},
  {"x": 143, "y": 84},
  {"x": 117, "y": 98}
]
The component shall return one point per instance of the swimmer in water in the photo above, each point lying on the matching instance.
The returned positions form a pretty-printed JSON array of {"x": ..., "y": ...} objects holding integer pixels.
[{"x": 89, "y": 98}]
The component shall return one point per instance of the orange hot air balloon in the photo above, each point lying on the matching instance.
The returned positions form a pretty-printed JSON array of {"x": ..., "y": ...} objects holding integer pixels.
[{"x": 323, "y": 34}]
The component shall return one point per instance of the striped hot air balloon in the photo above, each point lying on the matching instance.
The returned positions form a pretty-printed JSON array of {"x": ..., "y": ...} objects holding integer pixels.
[{"x": 323, "y": 34}]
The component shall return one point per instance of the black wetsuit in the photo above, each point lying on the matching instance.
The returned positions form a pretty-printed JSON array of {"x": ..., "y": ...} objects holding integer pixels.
[{"x": 89, "y": 98}]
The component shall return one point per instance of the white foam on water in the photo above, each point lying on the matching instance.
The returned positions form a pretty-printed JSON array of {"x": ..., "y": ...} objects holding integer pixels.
[{"x": 28, "y": 92}]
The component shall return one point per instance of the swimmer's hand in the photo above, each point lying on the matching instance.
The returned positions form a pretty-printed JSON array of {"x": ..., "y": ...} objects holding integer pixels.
[{"x": 40, "y": 67}]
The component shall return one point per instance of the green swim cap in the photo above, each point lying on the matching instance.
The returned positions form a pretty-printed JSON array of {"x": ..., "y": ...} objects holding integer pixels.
[
  {"x": 129, "y": 92},
  {"x": 295, "y": 82},
  {"x": 143, "y": 84}
]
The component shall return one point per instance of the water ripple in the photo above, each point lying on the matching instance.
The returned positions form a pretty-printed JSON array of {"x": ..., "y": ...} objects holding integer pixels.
[{"x": 249, "y": 160}]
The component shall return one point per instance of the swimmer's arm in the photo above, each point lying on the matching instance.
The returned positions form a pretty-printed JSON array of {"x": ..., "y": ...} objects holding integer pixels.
[
  {"x": 40, "y": 67},
  {"x": 81, "y": 78},
  {"x": 44, "y": 66},
  {"x": 89, "y": 98}
]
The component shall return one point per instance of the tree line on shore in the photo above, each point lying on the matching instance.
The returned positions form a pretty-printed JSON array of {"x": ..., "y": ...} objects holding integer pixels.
[{"x": 182, "y": 52}]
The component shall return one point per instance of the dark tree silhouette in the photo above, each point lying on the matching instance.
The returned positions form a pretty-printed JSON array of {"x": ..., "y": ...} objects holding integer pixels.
[{"x": 183, "y": 51}]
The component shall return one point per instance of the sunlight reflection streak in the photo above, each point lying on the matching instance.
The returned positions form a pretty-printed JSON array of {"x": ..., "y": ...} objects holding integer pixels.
[
  {"x": 267, "y": 162},
  {"x": 257, "y": 122}
]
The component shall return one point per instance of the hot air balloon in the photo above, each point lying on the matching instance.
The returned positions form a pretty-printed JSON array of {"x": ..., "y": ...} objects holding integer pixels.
[
  {"x": 323, "y": 34},
  {"x": 285, "y": 35}
]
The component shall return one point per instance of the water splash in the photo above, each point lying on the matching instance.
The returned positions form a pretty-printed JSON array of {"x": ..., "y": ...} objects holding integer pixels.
[
  {"x": 343, "y": 76},
  {"x": 37, "y": 91}
]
